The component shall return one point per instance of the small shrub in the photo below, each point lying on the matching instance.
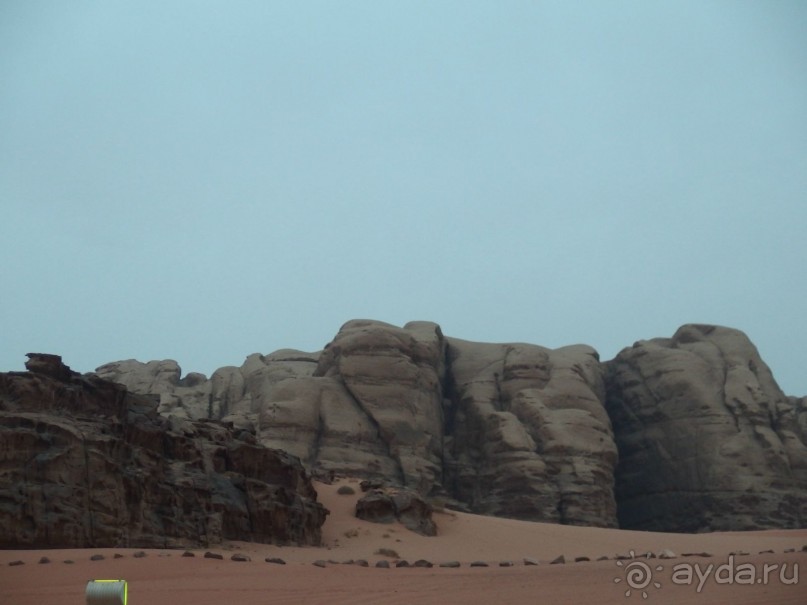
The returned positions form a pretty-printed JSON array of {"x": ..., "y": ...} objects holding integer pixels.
[{"x": 345, "y": 490}]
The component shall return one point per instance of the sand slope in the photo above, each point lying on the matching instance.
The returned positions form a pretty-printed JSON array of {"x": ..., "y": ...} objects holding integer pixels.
[{"x": 166, "y": 578}]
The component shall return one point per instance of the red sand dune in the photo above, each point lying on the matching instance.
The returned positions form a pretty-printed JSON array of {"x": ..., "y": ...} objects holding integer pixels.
[{"x": 165, "y": 578}]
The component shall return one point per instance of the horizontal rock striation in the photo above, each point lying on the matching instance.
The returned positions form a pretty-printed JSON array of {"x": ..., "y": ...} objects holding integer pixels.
[
  {"x": 86, "y": 463},
  {"x": 707, "y": 440}
]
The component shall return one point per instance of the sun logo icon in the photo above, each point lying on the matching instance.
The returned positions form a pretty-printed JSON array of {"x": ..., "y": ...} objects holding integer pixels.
[{"x": 638, "y": 576}]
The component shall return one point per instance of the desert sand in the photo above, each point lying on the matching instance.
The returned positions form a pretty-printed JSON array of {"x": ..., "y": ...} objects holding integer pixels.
[{"x": 164, "y": 577}]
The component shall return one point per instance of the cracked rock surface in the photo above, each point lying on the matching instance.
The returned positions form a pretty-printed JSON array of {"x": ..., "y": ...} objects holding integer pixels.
[
  {"x": 707, "y": 440},
  {"x": 687, "y": 433},
  {"x": 514, "y": 430}
]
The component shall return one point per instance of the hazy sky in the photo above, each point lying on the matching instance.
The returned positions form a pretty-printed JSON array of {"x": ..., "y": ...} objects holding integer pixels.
[{"x": 204, "y": 180}]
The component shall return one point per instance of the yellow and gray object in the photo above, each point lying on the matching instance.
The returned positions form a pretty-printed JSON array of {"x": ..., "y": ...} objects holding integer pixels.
[{"x": 107, "y": 592}]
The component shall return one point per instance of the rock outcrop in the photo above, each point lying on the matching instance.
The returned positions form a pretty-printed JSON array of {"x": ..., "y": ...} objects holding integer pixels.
[
  {"x": 512, "y": 430},
  {"x": 404, "y": 505},
  {"x": 393, "y": 381},
  {"x": 703, "y": 435},
  {"x": 232, "y": 394},
  {"x": 527, "y": 434},
  {"x": 707, "y": 440},
  {"x": 86, "y": 463}
]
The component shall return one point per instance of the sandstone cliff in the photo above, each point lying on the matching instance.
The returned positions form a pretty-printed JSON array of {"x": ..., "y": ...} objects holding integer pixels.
[
  {"x": 528, "y": 436},
  {"x": 707, "y": 440},
  {"x": 683, "y": 434},
  {"x": 86, "y": 463},
  {"x": 514, "y": 430}
]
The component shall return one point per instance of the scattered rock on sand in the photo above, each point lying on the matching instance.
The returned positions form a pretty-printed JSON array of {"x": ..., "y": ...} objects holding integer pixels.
[
  {"x": 213, "y": 555},
  {"x": 623, "y": 557},
  {"x": 402, "y": 563},
  {"x": 666, "y": 554},
  {"x": 530, "y": 561},
  {"x": 556, "y": 560},
  {"x": 44, "y": 560},
  {"x": 68, "y": 561},
  {"x": 387, "y": 552},
  {"x": 479, "y": 564},
  {"x": 97, "y": 558},
  {"x": 275, "y": 560},
  {"x": 766, "y": 552},
  {"x": 450, "y": 564},
  {"x": 345, "y": 490},
  {"x": 697, "y": 554},
  {"x": 188, "y": 553},
  {"x": 15, "y": 563},
  {"x": 383, "y": 564},
  {"x": 422, "y": 563},
  {"x": 139, "y": 554},
  {"x": 581, "y": 559},
  {"x": 320, "y": 563},
  {"x": 404, "y": 505},
  {"x": 739, "y": 553},
  {"x": 117, "y": 555},
  {"x": 789, "y": 550},
  {"x": 361, "y": 563},
  {"x": 602, "y": 558},
  {"x": 505, "y": 563},
  {"x": 240, "y": 558}
]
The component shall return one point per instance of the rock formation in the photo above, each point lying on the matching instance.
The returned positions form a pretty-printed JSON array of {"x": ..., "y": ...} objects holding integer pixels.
[
  {"x": 513, "y": 430},
  {"x": 527, "y": 435},
  {"x": 520, "y": 430},
  {"x": 707, "y": 440},
  {"x": 86, "y": 463},
  {"x": 404, "y": 505}
]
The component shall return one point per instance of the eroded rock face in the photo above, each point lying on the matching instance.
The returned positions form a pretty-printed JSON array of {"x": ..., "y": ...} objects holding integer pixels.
[
  {"x": 527, "y": 433},
  {"x": 393, "y": 377},
  {"x": 231, "y": 394},
  {"x": 514, "y": 430},
  {"x": 705, "y": 437},
  {"x": 86, "y": 463},
  {"x": 707, "y": 440}
]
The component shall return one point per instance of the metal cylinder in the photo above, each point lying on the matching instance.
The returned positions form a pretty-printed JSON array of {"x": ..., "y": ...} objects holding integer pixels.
[{"x": 107, "y": 592}]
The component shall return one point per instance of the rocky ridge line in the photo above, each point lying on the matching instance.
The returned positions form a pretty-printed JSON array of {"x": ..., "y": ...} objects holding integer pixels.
[{"x": 523, "y": 431}]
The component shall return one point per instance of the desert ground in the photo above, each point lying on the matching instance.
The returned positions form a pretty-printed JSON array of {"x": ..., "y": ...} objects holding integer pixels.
[{"x": 165, "y": 577}]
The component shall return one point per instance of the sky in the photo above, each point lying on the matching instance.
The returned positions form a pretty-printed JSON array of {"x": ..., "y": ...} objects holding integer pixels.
[{"x": 199, "y": 181}]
